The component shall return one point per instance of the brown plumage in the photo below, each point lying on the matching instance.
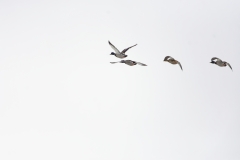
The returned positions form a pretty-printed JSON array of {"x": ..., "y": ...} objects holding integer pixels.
[
  {"x": 172, "y": 61},
  {"x": 220, "y": 63}
]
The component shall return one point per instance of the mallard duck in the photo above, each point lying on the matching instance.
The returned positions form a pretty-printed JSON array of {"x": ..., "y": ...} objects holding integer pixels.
[
  {"x": 172, "y": 61},
  {"x": 117, "y": 53},
  {"x": 219, "y": 62},
  {"x": 130, "y": 62}
]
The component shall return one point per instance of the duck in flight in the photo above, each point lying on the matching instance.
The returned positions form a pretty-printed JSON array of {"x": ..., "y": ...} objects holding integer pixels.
[
  {"x": 219, "y": 62},
  {"x": 172, "y": 61},
  {"x": 117, "y": 53},
  {"x": 130, "y": 63}
]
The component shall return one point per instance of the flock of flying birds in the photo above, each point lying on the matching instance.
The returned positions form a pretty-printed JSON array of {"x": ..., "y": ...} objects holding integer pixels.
[{"x": 169, "y": 59}]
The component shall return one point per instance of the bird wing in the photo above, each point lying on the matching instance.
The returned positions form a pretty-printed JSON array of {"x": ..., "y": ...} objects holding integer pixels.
[
  {"x": 167, "y": 58},
  {"x": 229, "y": 65},
  {"x": 216, "y": 59},
  {"x": 180, "y": 65},
  {"x": 114, "y": 62},
  {"x": 125, "y": 50},
  {"x": 114, "y": 48},
  {"x": 141, "y": 64}
]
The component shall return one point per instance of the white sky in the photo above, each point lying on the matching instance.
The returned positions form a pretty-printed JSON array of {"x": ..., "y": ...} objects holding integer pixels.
[{"x": 60, "y": 98}]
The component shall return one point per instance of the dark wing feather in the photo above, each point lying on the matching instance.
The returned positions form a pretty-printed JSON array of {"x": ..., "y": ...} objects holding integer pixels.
[
  {"x": 215, "y": 58},
  {"x": 180, "y": 65},
  {"x": 125, "y": 50},
  {"x": 114, "y": 48},
  {"x": 141, "y": 64},
  {"x": 166, "y": 58},
  {"x": 229, "y": 65}
]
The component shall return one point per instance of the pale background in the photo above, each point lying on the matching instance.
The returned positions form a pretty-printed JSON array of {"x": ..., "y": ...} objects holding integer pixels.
[{"x": 60, "y": 98}]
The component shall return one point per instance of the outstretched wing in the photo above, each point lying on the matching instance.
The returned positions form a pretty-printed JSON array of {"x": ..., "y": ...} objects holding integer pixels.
[
  {"x": 125, "y": 50},
  {"x": 114, "y": 62},
  {"x": 114, "y": 48},
  {"x": 141, "y": 64},
  {"x": 229, "y": 65},
  {"x": 180, "y": 65},
  {"x": 216, "y": 59},
  {"x": 167, "y": 58}
]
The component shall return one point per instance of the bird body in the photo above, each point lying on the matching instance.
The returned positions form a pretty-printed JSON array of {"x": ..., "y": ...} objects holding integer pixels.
[
  {"x": 130, "y": 63},
  {"x": 121, "y": 56},
  {"x": 172, "y": 61},
  {"x": 219, "y": 62}
]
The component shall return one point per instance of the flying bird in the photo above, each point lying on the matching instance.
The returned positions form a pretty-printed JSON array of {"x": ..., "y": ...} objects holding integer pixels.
[
  {"x": 172, "y": 61},
  {"x": 219, "y": 62},
  {"x": 130, "y": 63},
  {"x": 117, "y": 53}
]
